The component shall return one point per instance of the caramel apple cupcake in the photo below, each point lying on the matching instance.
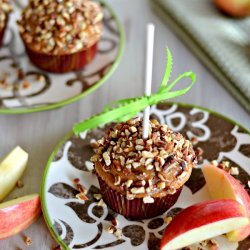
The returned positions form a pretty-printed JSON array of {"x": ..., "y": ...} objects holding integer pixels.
[
  {"x": 61, "y": 36},
  {"x": 142, "y": 178},
  {"x": 5, "y": 9}
]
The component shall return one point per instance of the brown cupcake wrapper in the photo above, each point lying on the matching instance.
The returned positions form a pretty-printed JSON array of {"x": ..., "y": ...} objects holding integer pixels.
[
  {"x": 62, "y": 63},
  {"x": 1, "y": 36},
  {"x": 136, "y": 208},
  {"x": 2, "y": 31}
]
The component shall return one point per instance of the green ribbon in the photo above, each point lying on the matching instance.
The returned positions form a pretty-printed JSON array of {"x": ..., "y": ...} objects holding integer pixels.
[{"x": 125, "y": 109}]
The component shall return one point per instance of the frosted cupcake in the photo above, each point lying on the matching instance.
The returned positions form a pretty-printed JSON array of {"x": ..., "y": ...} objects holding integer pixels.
[
  {"x": 61, "y": 36},
  {"x": 142, "y": 178},
  {"x": 5, "y": 9}
]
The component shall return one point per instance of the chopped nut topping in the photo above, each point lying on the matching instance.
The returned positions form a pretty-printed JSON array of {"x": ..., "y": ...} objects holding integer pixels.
[
  {"x": 140, "y": 190},
  {"x": 149, "y": 167},
  {"x": 130, "y": 196},
  {"x": 133, "y": 129},
  {"x": 161, "y": 185},
  {"x": 144, "y": 166},
  {"x": 59, "y": 27},
  {"x": 128, "y": 183},
  {"x": 136, "y": 164},
  {"x": 117, "y": 180},
  {"x": 148, "y": 199},
  {"x": 147, "y": 154},
  {"x": 139, "y": 147},
  {"x": 106, "y": 158}
]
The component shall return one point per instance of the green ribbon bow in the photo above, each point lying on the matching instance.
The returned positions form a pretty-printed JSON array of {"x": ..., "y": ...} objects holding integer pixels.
[{"x": 127, "y": 108}]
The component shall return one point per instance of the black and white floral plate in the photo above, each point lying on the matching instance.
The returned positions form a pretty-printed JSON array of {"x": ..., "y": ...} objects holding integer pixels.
[
  {"x": 46, "y": 90},
  {"x": 77, "y": 224}
]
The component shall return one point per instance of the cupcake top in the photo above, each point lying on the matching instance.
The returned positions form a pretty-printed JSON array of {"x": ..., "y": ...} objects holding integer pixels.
[
  {"x": 5, "y": 9},
  {"x": 143, "y": 168},
  {"x": 61, "y": 26}
]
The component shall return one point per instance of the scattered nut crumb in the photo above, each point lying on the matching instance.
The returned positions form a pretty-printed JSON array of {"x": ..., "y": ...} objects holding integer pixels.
[
  {"x": 97, "y": 197},
  {"x": 101, "y": 203},
  {"x": 26, "y": 84},
  {"x": 111, "y": 229},
  {"x": 118, "y": 233},
  {"x": 194, "y": 140},
  {"x": 114, "y": 221},
  {"x": 82, "y": 196},
  {"x": 76, "y": 180},
  {"x": 214, "y": 162},
  {"x": 168, "y": 219},
  {"x": 234, "y": 171},
  {"x": 27, "y": 240},
  {"x": 19, "y": 184}
]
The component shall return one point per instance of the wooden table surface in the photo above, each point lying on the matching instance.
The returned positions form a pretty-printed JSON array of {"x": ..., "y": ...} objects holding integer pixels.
[{"x": 38, "y": 133}]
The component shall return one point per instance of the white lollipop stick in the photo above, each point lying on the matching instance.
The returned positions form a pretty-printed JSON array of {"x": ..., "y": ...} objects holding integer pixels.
[{"x": 148, "y": 76}]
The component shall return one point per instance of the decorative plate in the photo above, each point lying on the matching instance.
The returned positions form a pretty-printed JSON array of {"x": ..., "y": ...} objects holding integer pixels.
[
  {"x": 28, "y": 89},
  {"x": 78, "y": 224}
]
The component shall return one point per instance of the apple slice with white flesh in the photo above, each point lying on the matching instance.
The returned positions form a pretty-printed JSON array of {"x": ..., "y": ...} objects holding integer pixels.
[
  {"x": 11, "y": 170},
  {"x": 203, "y": 221},
  {"x": 18, "y": 214},
  {"x": 222, "y": 185}
]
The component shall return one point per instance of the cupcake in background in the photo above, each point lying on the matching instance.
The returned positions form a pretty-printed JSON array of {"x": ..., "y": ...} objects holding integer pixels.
[
  {"x": 142, "y": 178},
  {"x": 5, "y": 9},
  {"x": 61, "y": 36}
]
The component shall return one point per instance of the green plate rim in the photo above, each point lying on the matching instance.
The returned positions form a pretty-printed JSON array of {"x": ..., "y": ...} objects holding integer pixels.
[
  {"x": 67, "y": 136},
  {"x": 91, "y": 89}
]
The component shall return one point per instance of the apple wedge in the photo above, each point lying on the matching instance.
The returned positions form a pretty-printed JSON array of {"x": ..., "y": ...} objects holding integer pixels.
[
  {"x": 11, "y": 170},
  {"x": 203, "y": 221},
  {"x": 18, "y": 214},
  {"x": 222, "y": 185},
  {"x": 237, "y": 8}
]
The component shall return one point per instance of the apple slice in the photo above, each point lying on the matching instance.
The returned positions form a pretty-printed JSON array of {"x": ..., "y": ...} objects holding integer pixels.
[
  {"x": 16, "y": 215},
  {"x": 237, "y": 8},
  {"x": 11, "y": 170},
  {"x": 203, "y": 221},
  {"x": 222, "y": 185}
]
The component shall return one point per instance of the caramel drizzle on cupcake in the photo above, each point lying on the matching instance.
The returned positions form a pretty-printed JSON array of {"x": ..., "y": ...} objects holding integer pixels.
[
  {"x": 140, "y": 168},
  {"x": 61, "y": 27},
  {"x": 5, "y": 9}
]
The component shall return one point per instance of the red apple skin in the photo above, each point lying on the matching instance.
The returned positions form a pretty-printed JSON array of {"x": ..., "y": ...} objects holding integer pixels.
[
  {"x": 18, "y": 216},
  {"x": 201, "y": 214},
  {"x": 234, "y": 8},
  {"x": 241, "y": 195}
]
